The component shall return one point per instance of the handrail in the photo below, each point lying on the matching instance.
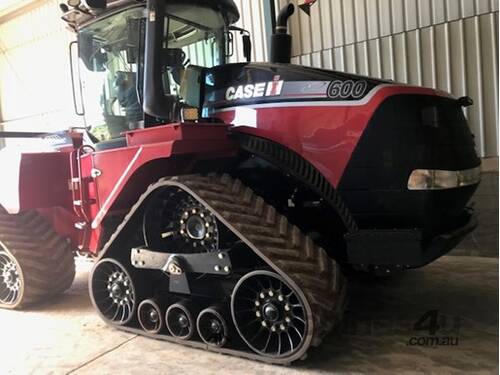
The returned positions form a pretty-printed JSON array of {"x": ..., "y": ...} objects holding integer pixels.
[{"x": 71, "y": 62}]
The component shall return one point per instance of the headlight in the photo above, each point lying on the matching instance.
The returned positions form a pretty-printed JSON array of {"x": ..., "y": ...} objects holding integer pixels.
[{"x": 434, "y": 179}]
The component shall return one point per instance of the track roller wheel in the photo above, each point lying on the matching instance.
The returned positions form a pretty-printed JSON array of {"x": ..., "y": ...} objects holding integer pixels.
[
  {"x": 150, "y": 316},
  {"x": 112, "y": 291},
  {"x": 269, "y": 314},
  {"x": 180, "y": 321},
  {"x": 35, "y": 262},
  {"x": 212, "y": 327}
]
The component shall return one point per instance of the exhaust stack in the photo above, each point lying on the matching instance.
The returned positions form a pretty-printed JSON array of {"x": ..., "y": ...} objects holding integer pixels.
[{"x": 281, "y": 41}]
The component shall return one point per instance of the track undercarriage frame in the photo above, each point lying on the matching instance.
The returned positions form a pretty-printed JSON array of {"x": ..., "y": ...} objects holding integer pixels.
[{"x": 265, "y": 292}]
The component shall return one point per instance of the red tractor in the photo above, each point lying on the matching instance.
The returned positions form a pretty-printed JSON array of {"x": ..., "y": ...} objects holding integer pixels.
[{"x": 223, "y": 200}]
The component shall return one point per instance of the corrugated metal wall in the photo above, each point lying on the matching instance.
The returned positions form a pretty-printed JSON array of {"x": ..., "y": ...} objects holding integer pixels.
[
  {"x": 252, "y": 19},
  {"x": 35, "y": 86},
  {"x": 448, "y": 44}
]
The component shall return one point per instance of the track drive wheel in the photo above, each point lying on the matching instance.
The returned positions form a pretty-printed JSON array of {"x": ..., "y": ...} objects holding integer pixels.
[{"x": 35, "y": 262}]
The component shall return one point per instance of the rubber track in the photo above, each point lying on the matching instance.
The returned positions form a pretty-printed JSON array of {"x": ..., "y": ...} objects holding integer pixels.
[
  {"x": 284, "y": 247},
  {"x": 46, "y": 259}
]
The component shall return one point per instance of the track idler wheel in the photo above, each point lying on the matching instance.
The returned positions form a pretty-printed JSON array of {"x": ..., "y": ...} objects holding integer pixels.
[
  {"x": 11, "y": 287},
  {"x": 212, "y": 327},
  {"x": 112, "y": 292},
  {"x": 269, "y": 314},
  {"x": 150, "y": 316},
  {"x": 180, "y": 321}
]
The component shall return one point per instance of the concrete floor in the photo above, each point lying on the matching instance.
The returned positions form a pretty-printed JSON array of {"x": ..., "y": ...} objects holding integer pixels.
[{"x": 66, "y": 336}]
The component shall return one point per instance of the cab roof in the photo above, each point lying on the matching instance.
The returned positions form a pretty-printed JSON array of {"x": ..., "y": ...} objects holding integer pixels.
[{"x": 81, "y": 16}]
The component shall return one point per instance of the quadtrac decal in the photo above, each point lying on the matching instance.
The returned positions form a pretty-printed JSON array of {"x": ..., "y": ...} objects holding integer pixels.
[{"x": 258, "y": 90}]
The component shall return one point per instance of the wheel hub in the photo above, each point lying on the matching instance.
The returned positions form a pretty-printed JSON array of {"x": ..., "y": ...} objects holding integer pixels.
[
  {"x": 174, "y": 219},
  {"x": 153, "y": 316},
  {"x": 116, "y": 290},
  {"x": 271, "y": 312},
  {"x": 199, "y": 227},
  {"x": 183, "y": 320},
  {"x": 10, "y": 276},
  {"x": 119, "y": 288},
  {"x": 215, "y": 326},
  {"x": 195, "y": 227},
  {"x": 273, "y": 309}
]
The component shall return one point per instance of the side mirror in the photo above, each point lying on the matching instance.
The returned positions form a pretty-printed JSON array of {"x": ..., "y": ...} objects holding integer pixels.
[
  {"x": 247, "y": 47},
  {"x": 247, "y": 42},
  {"x": 229, "y": 44}
]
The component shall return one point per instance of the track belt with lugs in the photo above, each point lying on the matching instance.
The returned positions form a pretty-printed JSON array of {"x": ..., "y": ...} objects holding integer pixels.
[{"x": 287, "y": 250}]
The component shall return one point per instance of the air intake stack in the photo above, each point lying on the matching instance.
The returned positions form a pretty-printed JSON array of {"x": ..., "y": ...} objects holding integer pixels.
[{"x": 281, "y": 41}]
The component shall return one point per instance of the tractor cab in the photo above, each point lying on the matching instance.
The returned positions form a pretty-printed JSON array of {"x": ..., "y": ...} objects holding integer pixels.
[{"x": 137, "y": 64}]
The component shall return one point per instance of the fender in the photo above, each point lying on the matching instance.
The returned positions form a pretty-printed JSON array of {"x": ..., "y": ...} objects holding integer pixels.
[
  {"x": 291, "y": 162},
  {"x": 116, "y": 177}
]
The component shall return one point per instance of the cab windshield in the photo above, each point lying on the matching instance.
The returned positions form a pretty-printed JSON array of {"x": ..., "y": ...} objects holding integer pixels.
[{"x": 111, "y": 53}]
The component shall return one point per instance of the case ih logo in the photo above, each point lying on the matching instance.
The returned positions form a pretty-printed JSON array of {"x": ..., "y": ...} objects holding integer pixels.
[{"x": 258, "y": 90}]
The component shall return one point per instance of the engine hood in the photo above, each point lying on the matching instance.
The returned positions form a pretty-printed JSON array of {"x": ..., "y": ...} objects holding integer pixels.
[{"x": 256, "y": 83}]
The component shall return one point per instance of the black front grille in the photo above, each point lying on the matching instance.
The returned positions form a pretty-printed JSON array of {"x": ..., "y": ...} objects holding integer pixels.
[{"x": 408, "y": 132}]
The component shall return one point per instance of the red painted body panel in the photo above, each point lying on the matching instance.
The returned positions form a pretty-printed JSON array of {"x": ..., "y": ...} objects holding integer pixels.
[
  {"x": 325, "y": 135},
  {"x": 110, "y": 181}
]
